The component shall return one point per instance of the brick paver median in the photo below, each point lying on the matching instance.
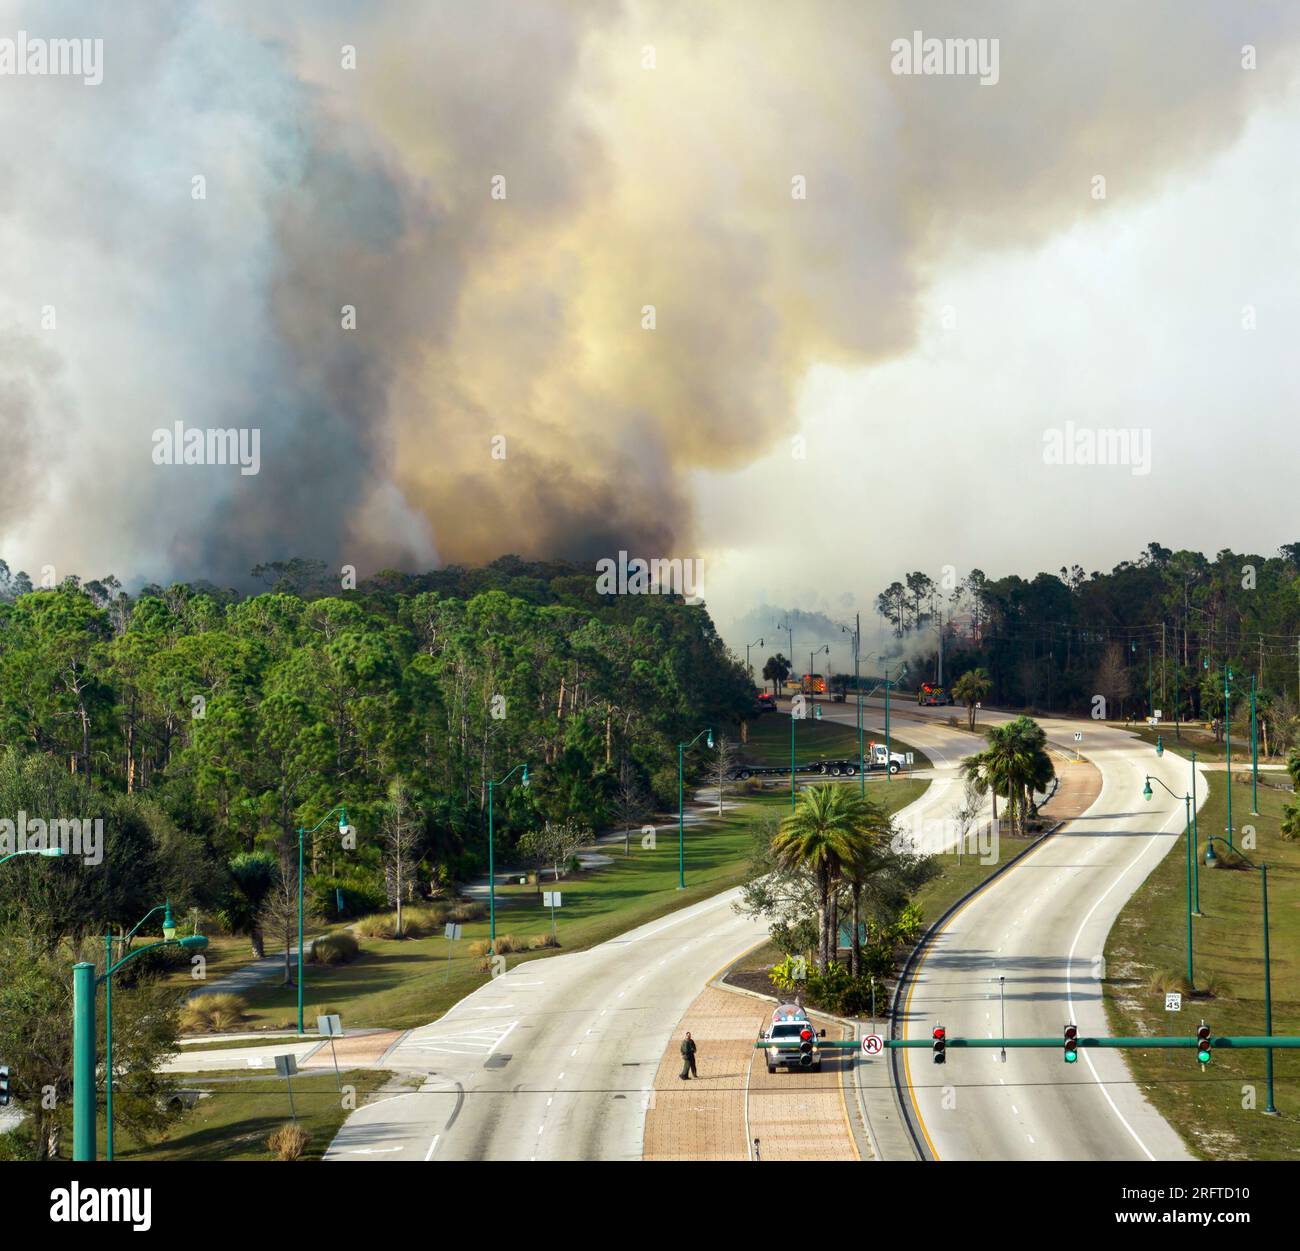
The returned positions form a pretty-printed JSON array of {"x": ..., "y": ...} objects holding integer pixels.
[{"x": 797, "y": 1116}]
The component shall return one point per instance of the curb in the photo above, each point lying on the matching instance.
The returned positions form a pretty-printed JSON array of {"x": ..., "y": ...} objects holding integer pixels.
[{"x": 918, "y": 1141}]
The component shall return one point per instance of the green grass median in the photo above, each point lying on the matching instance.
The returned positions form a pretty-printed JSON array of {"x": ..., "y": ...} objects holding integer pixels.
[{"x": 1146, "y": 954}]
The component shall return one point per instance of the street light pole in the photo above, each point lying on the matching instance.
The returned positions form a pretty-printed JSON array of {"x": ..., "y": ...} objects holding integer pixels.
[
  {"x": 1146, "y": 794},
  {"x": 1254, "y": 754},
  {"x": 682, "y": 748},
  {"x": 748, "y": 667},
  {"x": 492, "y": 872},
  {"x": 84, "y": 982},
  {"x": 343, "y": 829},
  {"x": 33, "y": 851},
  {"x": 1227, "y": 739},
  {"x": 1262, "y": 870}
]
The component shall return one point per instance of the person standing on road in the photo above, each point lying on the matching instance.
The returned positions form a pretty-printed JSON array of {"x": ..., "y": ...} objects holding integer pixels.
[{"x": 688, "y": 1058}]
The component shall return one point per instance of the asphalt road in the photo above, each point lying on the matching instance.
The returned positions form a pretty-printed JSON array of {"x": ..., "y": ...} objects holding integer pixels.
[
  {"x": 1043, "y": 927},
  {"x": 555, "y": 1059}
]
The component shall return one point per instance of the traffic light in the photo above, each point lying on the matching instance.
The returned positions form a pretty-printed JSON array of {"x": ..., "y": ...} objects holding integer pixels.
[
  {"x": 1071, "y": 1043},
  {"x": 4, "y": 1085},
  {"x": 940, "y": 1046},
  {"x": 805, "y": 1046},
  {"x": 1204, "y": 1049}
]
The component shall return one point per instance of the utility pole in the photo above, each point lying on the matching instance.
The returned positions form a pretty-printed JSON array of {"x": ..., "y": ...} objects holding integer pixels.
[{"x": 1162, "y": 662}]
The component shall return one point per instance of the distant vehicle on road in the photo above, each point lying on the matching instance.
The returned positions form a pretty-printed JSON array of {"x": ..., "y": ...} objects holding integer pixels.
[
  {"x": 764, "y": 702},
  {"x": 932, "y": 696},
  {"x": 874, "y": 758},
  {"x": 793, "y": 1042}
]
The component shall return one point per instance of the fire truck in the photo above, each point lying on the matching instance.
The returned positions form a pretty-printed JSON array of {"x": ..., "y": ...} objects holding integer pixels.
[
  {"x": 792, "y": 1040},
  {"x": 932, "y": 695}
]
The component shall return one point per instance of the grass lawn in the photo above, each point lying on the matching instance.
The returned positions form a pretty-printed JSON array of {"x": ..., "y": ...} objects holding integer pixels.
[
  {"x": 400, "y": 985},
  {"x": 1150, "y": 937},
  {"x": 769, "y": 741},
  {"x": 1194, "y": 737},
  {"x": 403, "y": 984},
  {"x": 233, "y": 1122}
]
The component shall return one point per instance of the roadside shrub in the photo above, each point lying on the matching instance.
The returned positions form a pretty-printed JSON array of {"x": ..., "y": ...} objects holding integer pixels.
[
  {"x": 539, "y": 942},
  {"x": 380, "y": 925},
  {"x": 19, "y": 1144},
  {"x": 289, "y": 1142},
  {"x": 479, "y": 947},
  {"x": 1162, "y": 981},
  {"x": 790, "y": 974},
  {"x": 340, "y": 948},
  {"x": 213, "y": 1013},
  {"x": 507, "y": 943},
  {"x": 467, "y": 910}
]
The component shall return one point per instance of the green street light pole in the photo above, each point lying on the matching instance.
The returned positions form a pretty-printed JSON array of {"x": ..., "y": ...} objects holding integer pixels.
[
  {"x": 682, "y": 749},
  {"x": 84, "y": 982},
  {"x": 169, "y": 932},
  {"x": 1227, "y": 739},
  {"x": 343, "y": 829},
  {"x": 1196, "y": 843},
  {"x": 748, "y": 667},
  {"x": 33, "y": 851},
  {"x": 1187, "y": 801},
  {"x": 1254, "y": 753},
  {"x": 1262, "y": 870},
  {"x": 492, "y": 870}
]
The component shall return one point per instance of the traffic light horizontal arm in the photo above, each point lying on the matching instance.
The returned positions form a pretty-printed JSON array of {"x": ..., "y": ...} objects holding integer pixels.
[{"x": 1239, "y": 1042}]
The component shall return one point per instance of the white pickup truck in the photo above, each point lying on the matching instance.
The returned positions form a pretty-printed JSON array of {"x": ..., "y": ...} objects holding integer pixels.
[{"x": 792, "y": 1040}]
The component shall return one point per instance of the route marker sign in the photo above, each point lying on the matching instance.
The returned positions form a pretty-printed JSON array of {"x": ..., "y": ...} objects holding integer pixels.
[
  {"x": 1173, "y": 1001},
  {"x": 1078, "y": 736},
  {"x": 452, "y": 932},
  {"x": 873, "y": 1045}
]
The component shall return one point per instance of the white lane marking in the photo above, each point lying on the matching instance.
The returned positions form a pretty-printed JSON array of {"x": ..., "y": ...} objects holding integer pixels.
[
  {"x": 560, "y": 1078},
  {"x": 1069, "y": 985},
  {"x": 550, "y": 1101},
  {"x": 1031, "y": 1139},
  {"x": 573, "y": 1053},
  {"x": 433, "y": 1146}
]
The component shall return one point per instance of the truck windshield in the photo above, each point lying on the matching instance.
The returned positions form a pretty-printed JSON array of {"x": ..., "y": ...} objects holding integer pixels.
[{"x": 791, "y": 1029}]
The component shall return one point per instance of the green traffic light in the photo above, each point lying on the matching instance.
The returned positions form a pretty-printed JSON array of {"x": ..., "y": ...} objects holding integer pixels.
[
  {"x": 1203, "y": 1055},
  {"x": 1071, "y": 1057}
]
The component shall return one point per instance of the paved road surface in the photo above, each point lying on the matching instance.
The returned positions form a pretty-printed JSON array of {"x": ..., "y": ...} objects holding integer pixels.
[{"x": 1043, "y": 926}]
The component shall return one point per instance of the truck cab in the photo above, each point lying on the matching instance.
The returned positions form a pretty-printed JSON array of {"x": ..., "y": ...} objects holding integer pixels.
[
  {"x": 792, "y": 1040},
  {"x": 879, "y": 758}
]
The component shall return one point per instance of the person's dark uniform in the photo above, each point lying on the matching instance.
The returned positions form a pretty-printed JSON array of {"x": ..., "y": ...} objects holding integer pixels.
[{"x": 688, "y": 1059}]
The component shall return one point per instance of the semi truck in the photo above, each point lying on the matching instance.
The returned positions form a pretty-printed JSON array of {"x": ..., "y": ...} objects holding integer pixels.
[{"x": 875, "y": 758}]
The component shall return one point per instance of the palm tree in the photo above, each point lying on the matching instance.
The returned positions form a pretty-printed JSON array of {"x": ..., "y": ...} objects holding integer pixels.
[
  {"x": 776, "y": 670},
  {"x": 859, "y": 872},
  {"x": 1015, "y": 764},
  {"x": 831, "y": 829},
  {"x": 973, "y": 687}
]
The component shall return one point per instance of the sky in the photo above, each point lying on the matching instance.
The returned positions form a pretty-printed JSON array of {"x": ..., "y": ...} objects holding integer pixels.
[{"x": 702, "y": 280}]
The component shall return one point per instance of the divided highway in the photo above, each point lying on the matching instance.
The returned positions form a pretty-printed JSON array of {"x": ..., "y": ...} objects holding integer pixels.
[
  {"x": 556, "y": 1059},
  {"x": 1043, "y": 926}
]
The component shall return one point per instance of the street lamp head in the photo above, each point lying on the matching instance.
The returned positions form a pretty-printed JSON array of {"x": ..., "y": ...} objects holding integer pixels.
[
  {"x": 168, "y": 925},
  {"x": 1146, "y": 791},
  {"x": 709, "y": 740},
  {"x": 51, "y": 851},
  {"x": 524, "y": 780},
  {"x": 195, "y": 942},
  {"x": 1160, "y": 745}
]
